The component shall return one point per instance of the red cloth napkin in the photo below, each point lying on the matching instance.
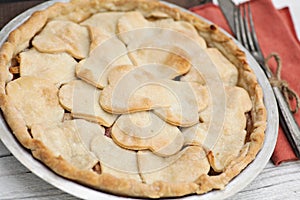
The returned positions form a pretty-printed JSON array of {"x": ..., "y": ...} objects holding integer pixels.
[{"x": 276, "y": 33}]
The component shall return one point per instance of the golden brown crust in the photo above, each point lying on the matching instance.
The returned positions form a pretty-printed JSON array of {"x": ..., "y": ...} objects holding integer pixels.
[
  {"x": 15, "y": 121},
  {"x": 77, "y": 11}
]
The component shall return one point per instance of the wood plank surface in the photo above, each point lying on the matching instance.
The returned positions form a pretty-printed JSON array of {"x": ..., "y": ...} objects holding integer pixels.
[
  {"x": 3, "y": 150},
  {"x": 9, "y": 9},
  {"x": 17, "y": 182}
]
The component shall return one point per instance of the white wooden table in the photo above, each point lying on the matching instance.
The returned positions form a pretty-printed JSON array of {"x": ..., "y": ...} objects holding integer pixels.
[{"x": 17, "y": 182}]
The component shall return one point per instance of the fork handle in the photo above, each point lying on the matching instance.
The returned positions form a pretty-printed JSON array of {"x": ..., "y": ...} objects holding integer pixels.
[{"x": 287, "y": 122}]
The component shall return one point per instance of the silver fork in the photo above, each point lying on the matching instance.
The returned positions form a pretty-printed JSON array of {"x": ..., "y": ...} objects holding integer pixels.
[{"x": 245, "y": 33}]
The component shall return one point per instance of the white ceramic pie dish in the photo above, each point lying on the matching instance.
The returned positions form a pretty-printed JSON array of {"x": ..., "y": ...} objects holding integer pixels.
[{"x": 237, "y": 184}]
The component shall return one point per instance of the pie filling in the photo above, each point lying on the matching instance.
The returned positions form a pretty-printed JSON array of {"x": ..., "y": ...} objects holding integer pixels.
[{"x": 135, "y": 97}]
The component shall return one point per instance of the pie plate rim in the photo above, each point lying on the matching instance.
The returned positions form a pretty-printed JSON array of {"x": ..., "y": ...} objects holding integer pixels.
[{"x": 81, "y": 191}]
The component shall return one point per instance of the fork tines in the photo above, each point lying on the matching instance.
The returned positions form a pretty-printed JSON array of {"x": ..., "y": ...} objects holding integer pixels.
[{"x": 245, "y": 31}]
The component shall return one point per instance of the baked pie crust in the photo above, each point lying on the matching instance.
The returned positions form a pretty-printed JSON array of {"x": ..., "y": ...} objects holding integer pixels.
[{"x": 58, "y": 108}]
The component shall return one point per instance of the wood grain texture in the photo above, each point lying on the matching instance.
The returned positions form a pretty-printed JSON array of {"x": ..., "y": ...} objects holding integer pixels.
[
  {"x": 17, "y": 182},
  {"x": 3, "y": 150},
  {"x": 10, "y": 9}
]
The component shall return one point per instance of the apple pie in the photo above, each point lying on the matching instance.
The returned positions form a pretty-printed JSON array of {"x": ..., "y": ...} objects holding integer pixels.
[{"x": 131, "y": 97}]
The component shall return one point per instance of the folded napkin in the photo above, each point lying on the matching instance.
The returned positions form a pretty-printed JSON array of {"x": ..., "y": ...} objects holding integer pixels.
[{"x": 276, "y": 33}]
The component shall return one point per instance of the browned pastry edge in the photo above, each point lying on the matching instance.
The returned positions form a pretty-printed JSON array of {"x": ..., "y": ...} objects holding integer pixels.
[{"x": 78, "y": 10}]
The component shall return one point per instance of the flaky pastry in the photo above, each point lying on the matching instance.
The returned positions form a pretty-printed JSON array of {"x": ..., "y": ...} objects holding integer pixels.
[{"x": 137, "y": 62}]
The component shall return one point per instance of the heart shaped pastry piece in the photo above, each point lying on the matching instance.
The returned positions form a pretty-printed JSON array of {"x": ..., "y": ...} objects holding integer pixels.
[{"x": 145, "y": 130}]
